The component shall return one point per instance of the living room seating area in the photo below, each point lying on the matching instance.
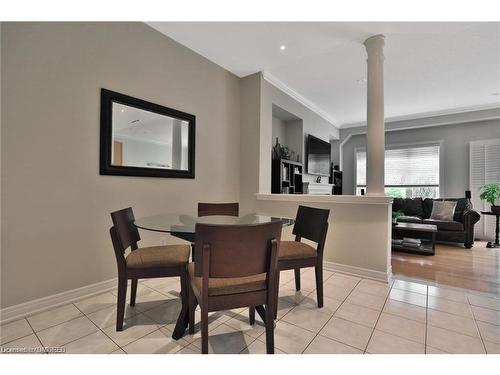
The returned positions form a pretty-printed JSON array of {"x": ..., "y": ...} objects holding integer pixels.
[{"x": 419, "y": 211}]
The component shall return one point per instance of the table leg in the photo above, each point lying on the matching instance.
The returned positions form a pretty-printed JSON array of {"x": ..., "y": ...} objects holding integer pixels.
[
  {"x": 497, "y": 243},
  {"x": 433, "y": 243},
  {"x": 182, "y": 322},
  {"x": 497, "y": 229}
]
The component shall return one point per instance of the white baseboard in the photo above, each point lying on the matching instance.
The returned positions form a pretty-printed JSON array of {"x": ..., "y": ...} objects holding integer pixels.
[
  {"x": 11, "y": 313},
  {"x": 358, "y": 271}
]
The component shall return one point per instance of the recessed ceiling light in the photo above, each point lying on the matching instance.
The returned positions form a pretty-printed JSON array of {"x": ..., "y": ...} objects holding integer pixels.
[
  {"x": 282, "y": 47},
  {"x": 123, "y": 110},
  {"x": 361, "y": 81}
]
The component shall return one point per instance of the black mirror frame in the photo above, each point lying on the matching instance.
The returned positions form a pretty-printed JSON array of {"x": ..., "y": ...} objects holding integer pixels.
[{"x": 105, "y": 166}]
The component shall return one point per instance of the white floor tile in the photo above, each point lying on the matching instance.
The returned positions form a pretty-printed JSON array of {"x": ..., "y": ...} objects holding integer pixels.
[
  {"x": 290, "y": 338},
  {"x": 14, "y": 330},
  {"x": 107, "y": 317},
  {"x": 486, "y": 315},
  {"x": 346, "y": 332},
  {"x": 133, "y": 329},
  {"x": 324, "y": 345},
  {"x": 157, "y": 342},
  {"x": 384, "y": 343},
  {"x": 453, "y": 342},
  {"x": 405, "y": 310},
  {"x": 307, "y": 318},
  {"x": 492, "y": 348},
  {"x": 445, "y": 293},
  {"x": 53, "y": 317},
  {"x": 489, "y": 303},
  {"x": 259, "y": 347},
  {"x": 165, "y": 313},
  {"x": 399, "y": 326},
  {"x": 367, "y": 300},
  {"x": 95, "y": 343},
  {"x": 452, "y": 322},
  {"x": 431, "y": 350},
  {"x": 25, "y": 345},
  {"x": 489, "y": 332},
  {"x": 240, "y": 323},
  {"x": 358, "y": 314},
  {"x": 66, "y": 332},
  {"x": 225, "y": 340},
  {"x": 450, "y": 307},
  {"x": 408, "y": 297},
  {"x": 95, "y": 303},
  {"x": 373, "y": 287},
  {"x": 410, "y": 286}
]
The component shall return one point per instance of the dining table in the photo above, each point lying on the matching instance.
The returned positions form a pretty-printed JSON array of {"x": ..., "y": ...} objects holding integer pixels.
[{"x": 183, "y": 226}]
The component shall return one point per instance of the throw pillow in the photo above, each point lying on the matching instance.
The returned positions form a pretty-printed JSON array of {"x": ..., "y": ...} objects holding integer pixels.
[{"x": 443, "y": 210}]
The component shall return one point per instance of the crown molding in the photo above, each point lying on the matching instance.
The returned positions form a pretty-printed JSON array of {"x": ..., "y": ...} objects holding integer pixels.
[
  {"x": 298, "y": 97},
  {"x": 424, "y": 115}
]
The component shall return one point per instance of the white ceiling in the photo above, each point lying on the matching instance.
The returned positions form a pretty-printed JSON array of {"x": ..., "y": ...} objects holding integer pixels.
[
  {"x": 145, "y": 126},
  {"x": 430, "y": 67}
]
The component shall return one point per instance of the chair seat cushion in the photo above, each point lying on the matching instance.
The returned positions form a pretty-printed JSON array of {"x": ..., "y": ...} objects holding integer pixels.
[
  {"x": 296, "y": 250},
  {"x": 159, "y": 256},
  {"x": 445, "y": 225},
  {"x": 224, "y": 286}
]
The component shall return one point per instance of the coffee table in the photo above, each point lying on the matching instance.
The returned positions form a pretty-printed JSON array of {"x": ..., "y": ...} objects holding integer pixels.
[{"x": 414, "y": 233}]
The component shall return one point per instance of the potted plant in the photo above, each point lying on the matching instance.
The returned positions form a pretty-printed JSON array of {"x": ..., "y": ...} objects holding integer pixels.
[{"x": 490, "y": 193}]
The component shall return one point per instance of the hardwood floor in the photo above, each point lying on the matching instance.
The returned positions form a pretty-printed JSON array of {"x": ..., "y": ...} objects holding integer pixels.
[{"x": 477, "y": 268}]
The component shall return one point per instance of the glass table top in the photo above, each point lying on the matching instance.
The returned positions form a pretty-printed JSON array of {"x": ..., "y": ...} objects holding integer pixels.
[{"x": 182, "y": 223}]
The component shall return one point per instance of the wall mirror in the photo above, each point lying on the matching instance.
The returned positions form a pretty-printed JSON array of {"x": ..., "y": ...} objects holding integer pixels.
[{"x": 140, "y": 138}]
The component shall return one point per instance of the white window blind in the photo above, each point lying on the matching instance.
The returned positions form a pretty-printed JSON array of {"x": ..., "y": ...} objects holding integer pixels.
[
  {"x": 414, "y": 170},
  {"x": 484, "y": 168}
]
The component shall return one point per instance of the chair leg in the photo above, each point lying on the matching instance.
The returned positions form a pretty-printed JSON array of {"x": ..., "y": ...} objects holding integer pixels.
[
  {"x": 269, "y": 329},
  {"x": 297, "y": 278},
  {"x": 204, "y": 330},
  {"x": 133, "y": 292},
  {"x": 192, "y": 308},
  {"x": 185, "y": 296},
  {"x": 275, "y": 307},
  {"x": 251, "y": 315},
  {"x": 319, "y": 283},
  {"x": 122, "y": 294}
]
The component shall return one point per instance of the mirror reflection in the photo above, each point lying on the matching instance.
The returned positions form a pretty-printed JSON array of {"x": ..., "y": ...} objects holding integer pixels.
[{"x": 148, "y": 139}]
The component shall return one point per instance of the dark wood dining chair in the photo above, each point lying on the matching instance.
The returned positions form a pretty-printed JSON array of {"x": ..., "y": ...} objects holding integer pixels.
[
  {"x": 143, "y": 263},
  {"x": 311, "y": 224},
  {"x": 210, "y": 209},
  {"x": 235, "y": 266}
]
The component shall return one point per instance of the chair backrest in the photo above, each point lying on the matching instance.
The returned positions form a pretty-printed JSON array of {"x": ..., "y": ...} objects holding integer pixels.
[
  {"x": 235, "y": 250},
  {"x": 210, "y": 209},
  {"x": 311, "y": 223},
  {"x": 126, "y": 232}
]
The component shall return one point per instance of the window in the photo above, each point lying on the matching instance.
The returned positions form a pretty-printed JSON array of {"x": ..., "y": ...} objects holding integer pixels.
[{"x": 410, "y": 172}]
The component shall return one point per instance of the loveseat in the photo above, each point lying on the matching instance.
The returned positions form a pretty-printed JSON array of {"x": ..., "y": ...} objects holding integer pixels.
[{"x": 460, "y": 229}]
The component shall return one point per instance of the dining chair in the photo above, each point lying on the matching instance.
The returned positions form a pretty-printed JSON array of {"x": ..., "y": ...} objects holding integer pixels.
[
  {"x": 229, "y": 209},
  {"x": 143, "y": 263},
  {"x": 235, "y": 266},
  {"x": 210, "y": 209},
  {"x": 311, "y": 224}
]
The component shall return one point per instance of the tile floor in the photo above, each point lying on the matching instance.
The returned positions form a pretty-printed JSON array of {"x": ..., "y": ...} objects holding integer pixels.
[{"x": 359, "y": 316}]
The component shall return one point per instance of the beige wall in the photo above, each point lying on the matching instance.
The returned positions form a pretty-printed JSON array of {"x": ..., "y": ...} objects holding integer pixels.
[
  {"x": 358, "y": 236},
  {"x": 55, "y": 205}
]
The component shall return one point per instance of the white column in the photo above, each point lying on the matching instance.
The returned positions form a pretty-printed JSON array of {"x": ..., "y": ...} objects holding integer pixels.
[{"x": 375, "y": 134}]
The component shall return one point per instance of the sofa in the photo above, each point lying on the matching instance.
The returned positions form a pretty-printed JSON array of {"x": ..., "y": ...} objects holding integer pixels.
[{"x": 418, "y": 210}]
